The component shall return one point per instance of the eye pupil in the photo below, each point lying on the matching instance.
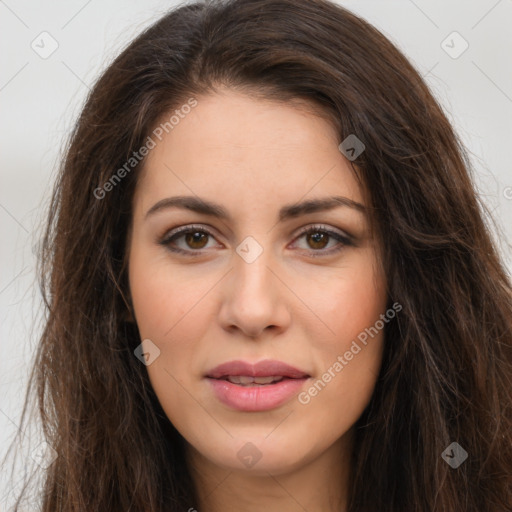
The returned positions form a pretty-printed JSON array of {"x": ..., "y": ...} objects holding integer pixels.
[
  {"x": 195, "y": 236},
  {"x": 318, "y": 238}
]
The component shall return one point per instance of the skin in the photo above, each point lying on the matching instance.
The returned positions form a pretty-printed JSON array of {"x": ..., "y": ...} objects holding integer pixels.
[{"x": 295, "y": 303}]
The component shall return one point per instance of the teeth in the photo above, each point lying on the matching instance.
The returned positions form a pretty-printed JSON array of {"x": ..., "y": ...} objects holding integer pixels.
[{"x": 246, "y": 380}]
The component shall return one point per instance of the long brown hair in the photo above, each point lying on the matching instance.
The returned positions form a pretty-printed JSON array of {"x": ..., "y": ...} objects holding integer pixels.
[{"x": 446, "y": 374}]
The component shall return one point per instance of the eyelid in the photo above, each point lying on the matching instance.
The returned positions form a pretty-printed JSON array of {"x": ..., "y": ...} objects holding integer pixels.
[
  {"x": 327, "y": 229},
  {"x": 165, "y": 239},
  {"x": 189, "y": 227}
]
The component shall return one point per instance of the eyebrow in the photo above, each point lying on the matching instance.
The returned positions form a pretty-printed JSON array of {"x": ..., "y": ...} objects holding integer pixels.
[{"x": 287, "y": 212}]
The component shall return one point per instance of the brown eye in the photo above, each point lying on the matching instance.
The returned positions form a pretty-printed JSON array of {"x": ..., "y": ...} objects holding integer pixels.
[
  {"x": 196, "y": 239},
  {"x": 187, "y": 240},
  {"x": 317, "y": 239}
]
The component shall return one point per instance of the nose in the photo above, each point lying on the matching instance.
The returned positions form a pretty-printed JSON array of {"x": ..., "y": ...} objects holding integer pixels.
[{"x": 255, "y": 298}]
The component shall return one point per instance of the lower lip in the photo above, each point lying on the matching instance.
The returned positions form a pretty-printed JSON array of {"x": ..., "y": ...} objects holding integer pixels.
[{"x": 255, "y": 398}]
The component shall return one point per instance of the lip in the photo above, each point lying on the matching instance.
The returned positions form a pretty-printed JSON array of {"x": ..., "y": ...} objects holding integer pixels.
[
  {"x": 265, "y": 368},
  {"x": 256, "y": 398}
]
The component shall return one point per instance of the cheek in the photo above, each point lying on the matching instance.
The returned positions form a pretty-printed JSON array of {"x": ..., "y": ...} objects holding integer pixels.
[
  {"x": 167, "y": 307},
  {"x": 349, "y": 302},
  {"x": 162, "y": 296},
  {"x": 350, "y": 357},
  {"x": 172, "y": 311}
]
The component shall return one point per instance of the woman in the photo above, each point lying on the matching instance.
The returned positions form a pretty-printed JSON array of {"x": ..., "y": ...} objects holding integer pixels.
[{"x": 269, "y": 281}]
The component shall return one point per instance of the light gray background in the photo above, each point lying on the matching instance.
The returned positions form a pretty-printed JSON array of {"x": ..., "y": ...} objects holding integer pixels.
[{"x": 40, "y": 98}]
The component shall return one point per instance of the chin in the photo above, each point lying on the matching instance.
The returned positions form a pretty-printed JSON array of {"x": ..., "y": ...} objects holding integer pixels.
[{"x": 258, "y": 455}]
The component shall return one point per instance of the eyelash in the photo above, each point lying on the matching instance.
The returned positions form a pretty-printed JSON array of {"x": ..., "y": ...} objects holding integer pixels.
[{"x": 344, "y": 240}]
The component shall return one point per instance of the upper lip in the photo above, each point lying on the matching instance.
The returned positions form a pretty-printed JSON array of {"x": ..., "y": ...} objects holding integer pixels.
[{"x": 266, "y": 368}]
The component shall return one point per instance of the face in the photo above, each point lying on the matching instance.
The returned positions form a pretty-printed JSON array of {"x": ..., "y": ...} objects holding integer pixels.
[{"x": 237, "y": 270}]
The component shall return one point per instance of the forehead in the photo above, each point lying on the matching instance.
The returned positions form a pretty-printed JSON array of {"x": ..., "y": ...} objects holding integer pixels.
[{"x": 232, "y": 144}]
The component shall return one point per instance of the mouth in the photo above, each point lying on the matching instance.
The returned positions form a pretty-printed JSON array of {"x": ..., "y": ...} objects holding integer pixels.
[
  {"x": 247, "y": 381},
  {"x": 262, "y": 372},
  {"x": 255, "y": 387}
]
